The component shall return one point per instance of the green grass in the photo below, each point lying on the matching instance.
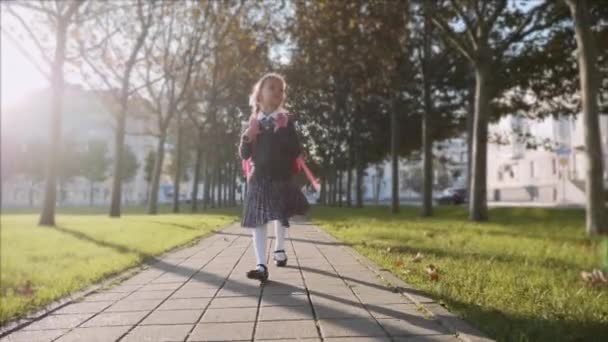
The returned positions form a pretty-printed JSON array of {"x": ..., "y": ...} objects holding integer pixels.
[
  {"x": 85, "y": 247},
  {"x": 517, "y": 277}
]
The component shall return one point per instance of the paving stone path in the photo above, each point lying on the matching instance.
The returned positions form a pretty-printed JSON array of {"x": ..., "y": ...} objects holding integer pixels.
[{"x": 327, "y": 292}]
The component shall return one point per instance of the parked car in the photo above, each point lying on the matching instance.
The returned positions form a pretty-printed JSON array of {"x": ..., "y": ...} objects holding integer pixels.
[{"x": 453, "y": 196}]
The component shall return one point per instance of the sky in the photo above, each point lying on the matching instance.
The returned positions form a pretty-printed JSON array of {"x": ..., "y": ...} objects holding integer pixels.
[{"x": 18, "y": 76}]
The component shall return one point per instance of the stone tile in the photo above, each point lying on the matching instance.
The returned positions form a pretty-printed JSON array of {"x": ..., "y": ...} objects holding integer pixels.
[
  {"x": 115, "y": 319},
  {"x": 83, "y": 307},
  {"x": 185, "y": 304},
  {"x": 172, "y": 317},
  {"x": 222, "y": 332},
  {"x": 194, "y": 293},
  {"x": 160, "y": 287},
  {"x": 399, "y": 311},
  {"x": 53, "y": 322},
  {"x": 106, "y": 296},
  {"x": 134, "y": 305},
  {"x": 283, "y": 313},
  {"x": 289, "y": 300},
  {"x": 229, "y": 315},
  {"x": 97, "y": 334},
  {"x": 412, "y": 327},
  {"x": 238, "y": 291},
  {"x": 139, "y": 295},
  {"x": 358, "y": 339},
  {"x": 34, "y": 336},
  {"x": 234, "y": 302},
  {"x": 158, "y": 333},
  {"x": 350, "y": 328},
  {"x": 286, "y": 329},
  {"x": 428, "y": 338},
  {"x": 123, "y": 288}
]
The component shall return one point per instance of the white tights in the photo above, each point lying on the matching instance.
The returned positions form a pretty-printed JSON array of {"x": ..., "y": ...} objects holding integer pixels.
[{"x": 260, "y": 235}]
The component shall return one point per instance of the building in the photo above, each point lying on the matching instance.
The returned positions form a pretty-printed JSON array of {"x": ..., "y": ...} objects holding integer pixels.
[
  {"x": 539, "y": 161},
  {"x": 86, "y": 117}
]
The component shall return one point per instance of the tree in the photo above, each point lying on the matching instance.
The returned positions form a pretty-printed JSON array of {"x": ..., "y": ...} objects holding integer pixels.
[
  {"x": 68, "y": 166},
  {"x": 176, "y": 48},
  {"x": 60, "y": 17},
  {"x": 94, "y": 161},
  {"x": 112, "y": 51},
  {"x": 486, "y": 35},
  {"x": 129, "y": 165},
  {"x": 589, "y": 85}
]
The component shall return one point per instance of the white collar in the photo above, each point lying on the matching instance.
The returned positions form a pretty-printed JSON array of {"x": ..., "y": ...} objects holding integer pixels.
[{"x": 272, "y": 115}]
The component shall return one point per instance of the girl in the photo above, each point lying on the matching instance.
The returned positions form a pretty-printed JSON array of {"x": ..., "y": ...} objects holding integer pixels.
[{"x": 271, "y": 142}]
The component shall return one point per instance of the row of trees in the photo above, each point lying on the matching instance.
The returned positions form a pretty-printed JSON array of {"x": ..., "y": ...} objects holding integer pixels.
[
  {"x": 91, "y": 162},
  {"x": 421, "y": 71},
  {"x": 371, "y": 79},
  {"x": 187, "y": 66}
]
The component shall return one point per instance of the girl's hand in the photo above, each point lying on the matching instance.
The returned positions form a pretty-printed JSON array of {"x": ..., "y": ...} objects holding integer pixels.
[{"x": 253, "y": 129}]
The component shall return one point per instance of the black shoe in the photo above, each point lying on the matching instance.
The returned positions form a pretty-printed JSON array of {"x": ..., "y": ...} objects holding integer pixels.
[
  {"x": 280, "y": 263},
  {"x": 285, "y": 223},
  {"x": 257, "y": 274}
]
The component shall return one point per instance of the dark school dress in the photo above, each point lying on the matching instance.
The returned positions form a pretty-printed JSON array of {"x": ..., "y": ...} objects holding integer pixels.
[{"x": 272, "y": 194}]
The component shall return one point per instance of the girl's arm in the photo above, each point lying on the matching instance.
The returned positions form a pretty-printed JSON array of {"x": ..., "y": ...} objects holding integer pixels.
[
  {"x": 289, "y": 138},
  {"x": 245, "y": 149}
]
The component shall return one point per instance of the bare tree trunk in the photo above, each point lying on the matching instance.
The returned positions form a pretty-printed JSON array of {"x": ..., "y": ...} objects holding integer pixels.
[
  {"x": 478, "y": 206},
  {"x": 394, "y": 157},
  {"x": 587, "y": 58},
  {"x": 349, "y": 175},
  {"x": 360, "y": 170},
  {"x": 470, "y": 126},
  {"x": 340, "y": 188},
  {"x": 158, "y": 164},
  {"x": 178, "y": 166},
  {"x": 427, "y": 131},
  {"x": 119, "y": 138},
  {"x": 47, "y": 216},
  {"x": 91, "y": 189},
  {"x": 197, "y": 173},
  {"x": 207, "y": 180}
]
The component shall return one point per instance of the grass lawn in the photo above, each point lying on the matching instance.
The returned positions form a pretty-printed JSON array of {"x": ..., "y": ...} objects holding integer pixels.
[
  {"x": 517, "y": 277},
  {"x": 85, "y": 247}
]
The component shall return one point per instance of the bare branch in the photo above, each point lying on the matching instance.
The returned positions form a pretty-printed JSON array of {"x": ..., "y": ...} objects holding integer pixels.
[
  {"x": 453, "y": 38},
  {"x": 467, "y": 22},
  {"x": 26, "y": 53},
  {"x": 32, "y": 36}
]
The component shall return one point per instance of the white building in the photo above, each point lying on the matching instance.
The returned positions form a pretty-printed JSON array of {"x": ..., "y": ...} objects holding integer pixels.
[
  {"x": 554, "y": 172},
  {"x": 86, "y": 117}
]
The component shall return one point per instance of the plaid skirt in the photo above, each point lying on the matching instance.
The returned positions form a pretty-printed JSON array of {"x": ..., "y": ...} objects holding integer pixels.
[{"x": 267, "y": 200}]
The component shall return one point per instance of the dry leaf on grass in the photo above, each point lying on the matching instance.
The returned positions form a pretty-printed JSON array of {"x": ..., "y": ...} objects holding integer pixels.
[
  {"x": 399, "y": 263},
  {"x": 596, "y": 278},
  {"x": 418, "y": 257},
  {"x": 26, "y": 290},
  {"x": 433, "y": 272}
]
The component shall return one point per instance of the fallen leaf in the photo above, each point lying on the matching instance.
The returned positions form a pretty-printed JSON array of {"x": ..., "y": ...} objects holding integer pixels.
[
  {"x": 26, "y": 290},
  {"x": 406, "y": 271},
  {"x": 418, "y": 257},
  {"x": 398, "y": 263},
  {"x": 388, "y": 249},
  {"x": 433, "y": 272},
  {"x": 595, "y": 278}
]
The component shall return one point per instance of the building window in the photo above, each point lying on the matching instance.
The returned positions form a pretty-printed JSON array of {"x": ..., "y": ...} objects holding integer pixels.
[
  {"x": 532, "y": 169},
  {"x": 500, "y": 176},
  {"x": 554, "y": 164}
]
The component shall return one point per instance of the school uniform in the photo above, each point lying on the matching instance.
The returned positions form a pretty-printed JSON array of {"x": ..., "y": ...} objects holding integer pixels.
[{"x": 272, "y": 194}]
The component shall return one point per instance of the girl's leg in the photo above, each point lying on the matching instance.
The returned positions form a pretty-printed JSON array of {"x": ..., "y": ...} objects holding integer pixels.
[
  {"x": 280, "y": 256},
  {"x": 260, "y": 236}
]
